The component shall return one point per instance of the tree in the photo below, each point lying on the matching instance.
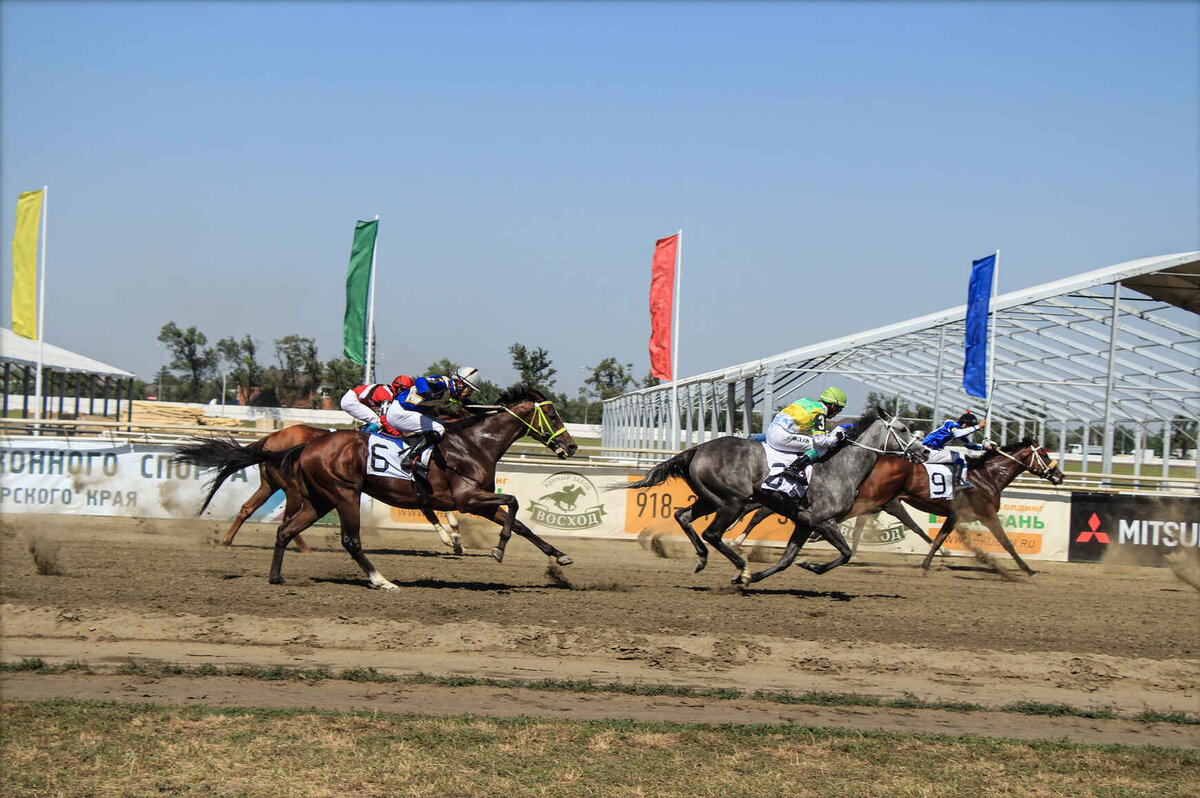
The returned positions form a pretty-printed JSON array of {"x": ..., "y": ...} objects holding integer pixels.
[
  {"x": 299, "y": 368},
  {"x": 443, "y": 366},
  {"x": 191, "y": 355},
  {"x": 533, "y": 366},
  {"x": 242, "y": 359},
  {"x": 609, "y": 378},
  {"x": 649, "y": 381},
  {"x": 340, "y": 375}
]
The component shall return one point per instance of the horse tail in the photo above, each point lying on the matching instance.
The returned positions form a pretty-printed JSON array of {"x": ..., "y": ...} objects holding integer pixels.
[
  {"x": 225, "y": 455},
  {"x": 677, "y": 466}
]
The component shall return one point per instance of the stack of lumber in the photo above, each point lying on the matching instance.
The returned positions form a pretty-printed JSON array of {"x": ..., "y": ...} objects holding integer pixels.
[{"x": 151, "y": 413}]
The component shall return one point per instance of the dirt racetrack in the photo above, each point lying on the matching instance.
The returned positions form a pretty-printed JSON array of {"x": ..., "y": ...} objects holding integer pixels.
[{"x": 166, "y": 591}]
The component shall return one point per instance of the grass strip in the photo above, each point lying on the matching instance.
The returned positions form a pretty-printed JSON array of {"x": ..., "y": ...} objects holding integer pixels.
[
  {"x": 825, "y": 699},
  {"x": 72, "y": 749}
]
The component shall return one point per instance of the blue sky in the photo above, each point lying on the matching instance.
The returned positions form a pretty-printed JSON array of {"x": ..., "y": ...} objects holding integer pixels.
[{"x": 834, "y": 166}]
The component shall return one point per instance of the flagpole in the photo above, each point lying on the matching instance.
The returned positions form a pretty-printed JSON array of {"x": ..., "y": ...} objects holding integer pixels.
[
  {"x": 369, "y": 366},
  {"x": 992, "y": 344},
  {"x": 675, "y": 344},
  {"x": 37, "y": 384}
]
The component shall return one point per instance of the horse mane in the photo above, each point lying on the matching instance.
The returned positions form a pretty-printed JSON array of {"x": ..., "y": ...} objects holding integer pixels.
[
  {"x": 861, "y": 423},
  {"x": 1010, "y": 448},
  {"x": 512, "y": 395}
]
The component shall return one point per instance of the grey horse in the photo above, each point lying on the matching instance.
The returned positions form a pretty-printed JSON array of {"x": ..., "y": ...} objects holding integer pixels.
[{"x": 726, "y": 475}]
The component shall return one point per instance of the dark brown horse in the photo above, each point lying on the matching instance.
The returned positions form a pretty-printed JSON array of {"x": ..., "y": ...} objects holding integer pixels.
[
  {"x": 270, "y": 479},
  {"x": 894, "y": 478},
  {"x": 332, "y": 473}
]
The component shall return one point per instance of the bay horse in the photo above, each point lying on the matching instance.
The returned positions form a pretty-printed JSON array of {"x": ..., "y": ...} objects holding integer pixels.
[
  {"x": 726, "y": 475},
  {"x": 332, "y": 473},
  {"x": 270, "y": 479},
  {"x": 894, "y": 478}
]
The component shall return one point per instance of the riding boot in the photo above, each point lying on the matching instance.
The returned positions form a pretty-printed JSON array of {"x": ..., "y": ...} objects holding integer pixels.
[
  {"x": 795, "y": 469},
  {"x": 956, "y": 477},
  {"x": 417, "y": 444}
]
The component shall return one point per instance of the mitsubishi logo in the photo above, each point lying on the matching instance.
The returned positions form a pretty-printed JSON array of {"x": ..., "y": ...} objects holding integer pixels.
[{"x": 1093, "y": 531}]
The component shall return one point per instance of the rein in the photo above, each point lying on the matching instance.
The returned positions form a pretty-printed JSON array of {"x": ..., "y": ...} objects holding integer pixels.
[
  {"x": 1037, "y": 465},
  {"x": 892, "y": 434}
]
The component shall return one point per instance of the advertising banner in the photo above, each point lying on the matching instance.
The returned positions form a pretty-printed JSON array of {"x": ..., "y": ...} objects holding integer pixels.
[
  {"x": 1139, "y": 529},
  {"x": 99, "y": 478}
]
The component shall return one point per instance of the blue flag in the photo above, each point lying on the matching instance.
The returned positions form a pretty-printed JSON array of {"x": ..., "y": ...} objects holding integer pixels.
[{"x": 979, "y": 296}]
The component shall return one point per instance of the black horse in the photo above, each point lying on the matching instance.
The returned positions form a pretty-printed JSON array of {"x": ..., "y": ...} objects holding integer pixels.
[{"x": 726, "y": 475}]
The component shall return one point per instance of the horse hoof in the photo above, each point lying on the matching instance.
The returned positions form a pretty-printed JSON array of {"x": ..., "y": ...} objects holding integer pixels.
[
  {"x": 563, "y": 559},
  {"x": 699, "y": 566},
  {"x": 499, "y": 555},
  {"x": 458, "y": 549},
  {"x": 276, "y": 580}
]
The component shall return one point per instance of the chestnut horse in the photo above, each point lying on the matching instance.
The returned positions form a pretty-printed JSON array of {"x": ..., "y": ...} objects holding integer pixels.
[
  {"x": 894, "y": 478},
  {"x": 271, "y": 480},
  {"x": 332, "y": 473}
]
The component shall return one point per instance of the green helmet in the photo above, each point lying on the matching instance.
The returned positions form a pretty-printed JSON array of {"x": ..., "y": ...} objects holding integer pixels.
[{"x": 833, "y": 396}]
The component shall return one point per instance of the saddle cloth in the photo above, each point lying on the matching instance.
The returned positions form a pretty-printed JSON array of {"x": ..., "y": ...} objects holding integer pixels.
[
  {"x": 776, "y": 462},
  {"x": 941, "y": 482},
  {"x": 383, "y": 457}
]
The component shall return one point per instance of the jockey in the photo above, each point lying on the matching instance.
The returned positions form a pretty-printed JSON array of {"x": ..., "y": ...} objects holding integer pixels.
[
  {"x": 413, "y": 410},
  {"x": 952, "y": 432},
  {"x": 365, "y": 402},
  {"x": 800, "y": 427}
]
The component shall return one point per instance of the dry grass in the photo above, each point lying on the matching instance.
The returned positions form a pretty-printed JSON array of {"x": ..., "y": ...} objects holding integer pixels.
[{"x": 68, "y": 748}]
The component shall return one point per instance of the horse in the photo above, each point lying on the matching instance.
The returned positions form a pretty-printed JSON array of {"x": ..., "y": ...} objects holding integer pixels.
[
  {"x": 270, "y": 480},
  {"x": 332, "y": 473},
  {"x": 726, "y": 474},
  {"x": 894, "y": 478}
]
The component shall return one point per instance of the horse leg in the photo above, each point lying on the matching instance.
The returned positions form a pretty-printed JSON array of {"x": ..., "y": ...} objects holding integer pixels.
[
  {"x": 455, "y": 537},
  {"x": 724, "y": 518},
  {"x": 432, "y": 518},
  {"x": 256, "y": 500},
  {"x": 291, "y": 502},
  {"x": 942, "y": 534},
  {"x": 830, "y": 531},
  {"x": 760, "y": 515},
  {"x": 296, "y": 523},
  {"x": 993, "y": 524},
  {"x": 856, "y": 536},
  {"x": 896, "y": 509},
  {"x": 506, "y": 516},
  {"x": 684, "y": 518},
  {"x": 794, "y": 544},
  {"x": 349, "y": 514}
]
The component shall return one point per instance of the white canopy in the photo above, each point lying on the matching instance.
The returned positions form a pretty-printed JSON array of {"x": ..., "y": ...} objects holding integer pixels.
[{"x": 24, "y": 352}]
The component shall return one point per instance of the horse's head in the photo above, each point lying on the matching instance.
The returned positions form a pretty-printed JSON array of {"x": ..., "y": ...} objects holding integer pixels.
[
  {"x": 1040, "y": 463},
  {"x": 893, "y": 436},
  {"x": 541, "y": 419}
]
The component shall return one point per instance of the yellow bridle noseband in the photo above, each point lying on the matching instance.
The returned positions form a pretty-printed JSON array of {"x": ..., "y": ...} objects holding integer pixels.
[{"x": 541, "y": 420}]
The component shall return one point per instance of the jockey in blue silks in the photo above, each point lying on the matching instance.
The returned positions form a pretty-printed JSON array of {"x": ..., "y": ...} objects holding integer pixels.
[
  {"x": 954, "y": 432},
  {"x": 411, "y": 411}
]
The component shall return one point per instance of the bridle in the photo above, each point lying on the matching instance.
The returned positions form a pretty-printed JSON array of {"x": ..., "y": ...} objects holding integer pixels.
[
  {"x": 1037, "y": 465},
  {"x": 891, "y": 433},
  {"x": 543, "y": 427}
]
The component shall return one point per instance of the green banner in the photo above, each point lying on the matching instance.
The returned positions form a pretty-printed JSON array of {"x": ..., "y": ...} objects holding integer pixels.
[{"x": 358, "y": 283}]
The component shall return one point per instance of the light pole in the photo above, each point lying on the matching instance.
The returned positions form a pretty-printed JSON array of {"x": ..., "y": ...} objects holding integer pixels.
[{"x": 583, "y": 393}]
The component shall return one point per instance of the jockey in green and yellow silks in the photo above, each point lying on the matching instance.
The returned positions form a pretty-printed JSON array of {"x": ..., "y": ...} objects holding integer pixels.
[{"x": 800, "y": 427}]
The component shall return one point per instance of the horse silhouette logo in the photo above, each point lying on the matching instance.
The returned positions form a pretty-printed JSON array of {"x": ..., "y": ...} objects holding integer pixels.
[
  {"x": 566, "y": 498},
  {"x": 570, "y": 501}
]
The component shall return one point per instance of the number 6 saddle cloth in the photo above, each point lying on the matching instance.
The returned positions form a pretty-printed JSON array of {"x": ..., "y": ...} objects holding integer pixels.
[{"x": 383, "y": 457}]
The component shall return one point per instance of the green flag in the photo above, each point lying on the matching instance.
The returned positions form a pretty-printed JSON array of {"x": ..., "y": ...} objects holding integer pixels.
[{"x": 358, "y": 283}]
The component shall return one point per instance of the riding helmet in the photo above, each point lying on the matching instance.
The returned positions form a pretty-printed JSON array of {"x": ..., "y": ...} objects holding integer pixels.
[
  {"x": 833, "y": 396},
  {"x": 967, "y": 419},
  {"x": 469, "y": 376}
]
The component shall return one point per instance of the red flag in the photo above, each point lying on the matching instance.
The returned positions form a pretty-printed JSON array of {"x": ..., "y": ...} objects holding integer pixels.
[{"x": 662, "y": 301}]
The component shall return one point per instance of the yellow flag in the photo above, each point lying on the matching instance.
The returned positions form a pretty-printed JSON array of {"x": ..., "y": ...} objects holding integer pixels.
[{"x": 24, "y": 251}]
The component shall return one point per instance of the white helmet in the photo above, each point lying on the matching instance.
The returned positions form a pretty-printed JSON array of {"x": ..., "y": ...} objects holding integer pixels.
[{"x": 469, "y": 376}]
